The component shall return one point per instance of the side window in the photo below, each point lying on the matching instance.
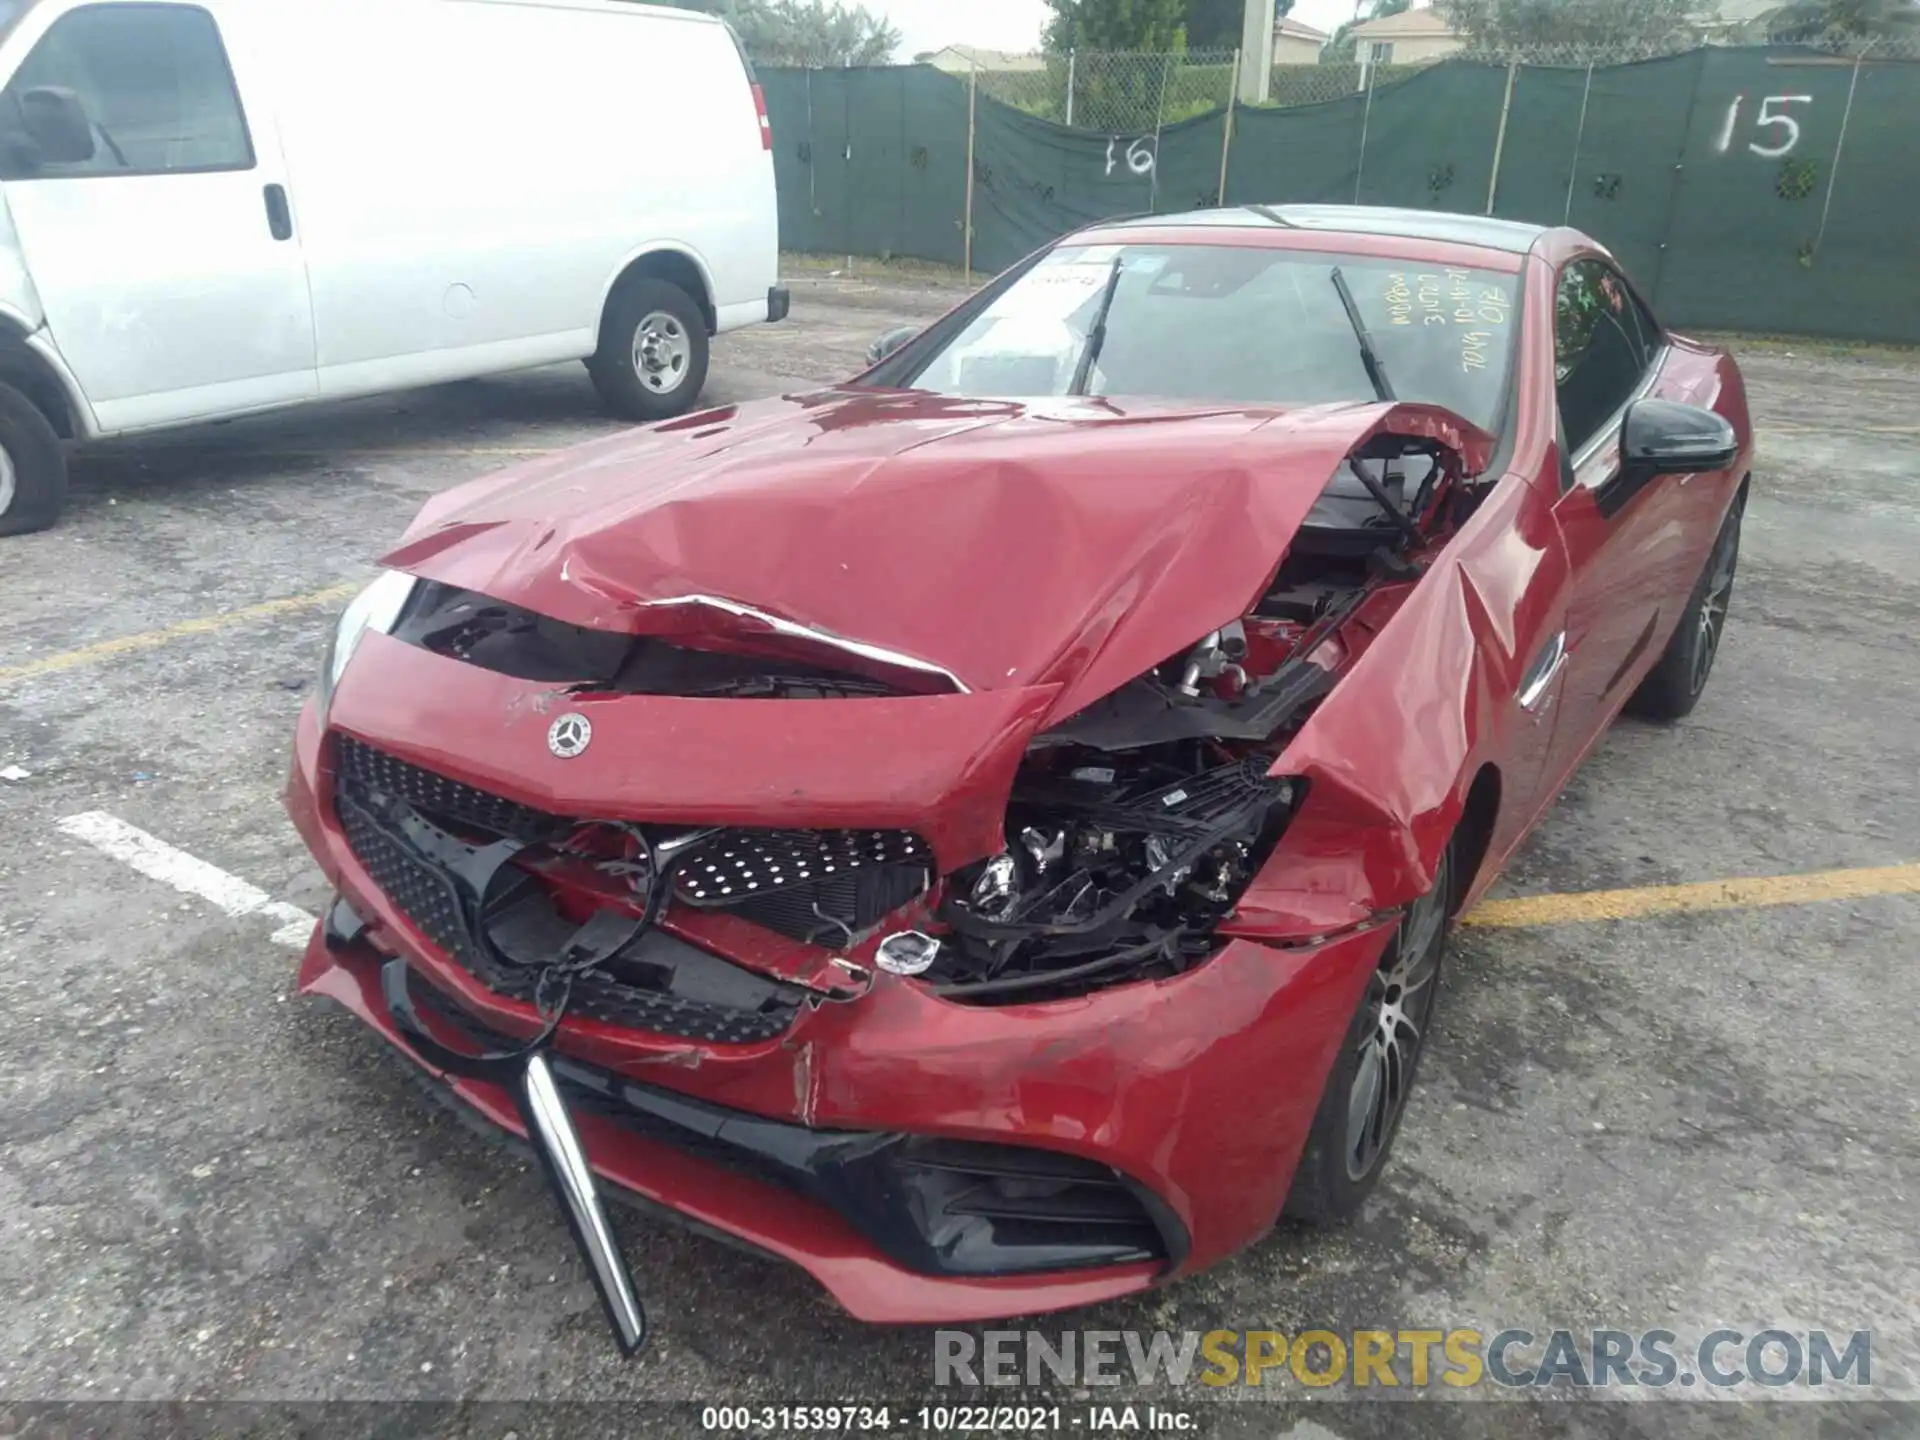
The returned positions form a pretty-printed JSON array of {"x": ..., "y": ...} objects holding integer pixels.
[
  {"x": 156, "y": 87},
  {"x": 1643, "y": 323},
  {"x": 1603, "y": 343}
]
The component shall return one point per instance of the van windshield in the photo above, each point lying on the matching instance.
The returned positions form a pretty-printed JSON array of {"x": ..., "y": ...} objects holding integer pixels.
[{"x": 10, "y": 13}]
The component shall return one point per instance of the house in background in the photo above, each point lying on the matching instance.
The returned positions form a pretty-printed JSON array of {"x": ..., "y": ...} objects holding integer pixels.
[
  {"x": 1412, "y": 37},
  {"x": 1295, "y": 43},
  {"x": 959, "y": 59}
]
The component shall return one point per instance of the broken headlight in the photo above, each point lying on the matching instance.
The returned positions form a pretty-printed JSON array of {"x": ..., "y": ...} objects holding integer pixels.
[
  {"x": 1119, "y": 868},
  {"x": 377, "y": 607}
]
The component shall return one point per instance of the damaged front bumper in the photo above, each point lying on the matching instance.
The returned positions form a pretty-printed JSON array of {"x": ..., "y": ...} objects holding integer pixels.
[
  {"x": 903, "y": 1149},
  {"x": 731, "y": 1174}
]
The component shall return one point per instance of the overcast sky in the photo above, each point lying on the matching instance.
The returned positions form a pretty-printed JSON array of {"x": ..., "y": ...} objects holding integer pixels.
[{"x": 1015, "y": 24}]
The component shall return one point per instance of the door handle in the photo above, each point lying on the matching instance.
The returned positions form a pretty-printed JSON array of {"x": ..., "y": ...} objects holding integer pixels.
[
  {"x": 1539, "y": 680},
  {"x": 279, "y": 217}
]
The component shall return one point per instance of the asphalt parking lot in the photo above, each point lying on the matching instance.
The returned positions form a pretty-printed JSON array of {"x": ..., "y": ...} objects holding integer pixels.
[{"x": 1681, "y": 1118}]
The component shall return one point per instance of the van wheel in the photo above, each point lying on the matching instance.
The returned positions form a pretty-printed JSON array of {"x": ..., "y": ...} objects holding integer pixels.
[
  {"x": 33, "y": 469},
  {"x": 652, "y": 358}
]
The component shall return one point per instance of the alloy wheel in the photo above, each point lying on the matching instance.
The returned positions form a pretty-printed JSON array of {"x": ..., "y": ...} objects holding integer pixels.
[
  {"x": 1398, "y": 1003},
  {"x": 9, "y": 485},
  {"x": 1713, "y": 608}
]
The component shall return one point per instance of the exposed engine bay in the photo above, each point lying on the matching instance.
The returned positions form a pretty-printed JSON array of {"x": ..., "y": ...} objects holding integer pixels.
[
  {"x": 1134, "y": 826},
  {"x": 1121, "y": 867},
  {"x": 1131, "y": 829}
]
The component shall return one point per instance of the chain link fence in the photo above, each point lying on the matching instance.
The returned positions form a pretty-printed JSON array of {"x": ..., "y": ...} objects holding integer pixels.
[
  {"x": 1761, "y": 187},
  {"x": 1134, "y": 91},
  {"x": 1829, "y": 46},
  {"x": 1104, "y": 90}
]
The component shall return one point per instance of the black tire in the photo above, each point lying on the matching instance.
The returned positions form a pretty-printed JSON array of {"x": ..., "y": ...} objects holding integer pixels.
[
  {"x": 33, "y": 468},
  {"x": 1353, "y": 1134},
  {"x": 652, "y": 358},
  {"x": 1674, "y": 685}
]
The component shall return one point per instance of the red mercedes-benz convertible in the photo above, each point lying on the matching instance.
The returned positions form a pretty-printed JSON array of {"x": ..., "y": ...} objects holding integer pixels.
[{"x": 987, "y": 832}]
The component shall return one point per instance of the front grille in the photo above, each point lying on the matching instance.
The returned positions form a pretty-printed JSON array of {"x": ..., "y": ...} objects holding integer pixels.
[
  {"x": 834, "y": 911},
  {"x": 740, "y": 863},
  {"x": 427, "y": 897},
  {"x": 366, "y": 768},
  {"x": 600, "y": 1092},
  {"x": 825, "y": 887}
]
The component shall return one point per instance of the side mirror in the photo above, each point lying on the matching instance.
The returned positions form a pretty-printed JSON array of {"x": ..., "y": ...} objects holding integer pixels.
[
  {"x": 891, "y": 341},
  {"x": 1664, "y": 437},
  {"x": 56, "y": 121}
]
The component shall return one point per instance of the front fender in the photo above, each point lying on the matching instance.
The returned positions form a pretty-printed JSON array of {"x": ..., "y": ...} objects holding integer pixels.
[{"x": 1391, "y": 755}]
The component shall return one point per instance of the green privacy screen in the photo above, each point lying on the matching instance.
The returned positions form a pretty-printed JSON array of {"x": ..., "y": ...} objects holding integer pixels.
[{"x": 1745, "y": 189}]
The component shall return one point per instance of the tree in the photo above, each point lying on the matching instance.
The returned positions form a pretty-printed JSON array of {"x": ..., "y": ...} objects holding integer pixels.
[
  {"x": 1575, "y": 29},
  {"x": 1219, "y": 24},
  {"x": 1849, "y": 19},
  {"x": 817, "y": 33},
  {"x": 1152, "y": 25},
  {"x": 1339, "y": 47}
]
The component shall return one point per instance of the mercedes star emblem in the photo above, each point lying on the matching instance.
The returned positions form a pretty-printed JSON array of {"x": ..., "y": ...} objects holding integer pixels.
[{"x": 569, "y": 735}]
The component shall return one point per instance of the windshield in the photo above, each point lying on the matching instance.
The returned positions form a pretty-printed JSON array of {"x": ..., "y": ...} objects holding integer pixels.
[{"x": 1240, "y": 324}]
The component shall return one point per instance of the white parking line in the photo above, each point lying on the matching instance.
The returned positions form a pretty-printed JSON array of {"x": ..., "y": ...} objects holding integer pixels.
[{"x": 188, "y": 874}]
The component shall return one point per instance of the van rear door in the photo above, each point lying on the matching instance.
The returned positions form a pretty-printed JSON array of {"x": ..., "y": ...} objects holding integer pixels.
[{"x": 167, "y": 262}]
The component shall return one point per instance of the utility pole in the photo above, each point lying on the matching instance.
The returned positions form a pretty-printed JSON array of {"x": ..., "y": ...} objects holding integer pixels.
[{"x": 1256, "y": 52}]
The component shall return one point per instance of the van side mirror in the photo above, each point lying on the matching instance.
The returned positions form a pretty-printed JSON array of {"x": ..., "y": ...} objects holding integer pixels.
[
  {"x": 891, "y": 341},
  {"x": 55, "y": 119},
  {"x": 1664, "y": 437}
]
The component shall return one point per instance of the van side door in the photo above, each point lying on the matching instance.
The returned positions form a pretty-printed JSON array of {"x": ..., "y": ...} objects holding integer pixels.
[{"x": 167, "y": 260}]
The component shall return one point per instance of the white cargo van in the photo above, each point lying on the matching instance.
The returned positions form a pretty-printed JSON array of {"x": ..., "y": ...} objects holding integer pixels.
[{"x": 215, "y": 207}]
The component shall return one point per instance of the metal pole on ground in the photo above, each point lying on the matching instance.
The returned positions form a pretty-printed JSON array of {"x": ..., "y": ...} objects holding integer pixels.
[
  {"x": 1579, "y": 134},
  {"x": 1159, "y": 121},
  {"x": 1366, "y": 115},
  {"x": 1833, "y": 170},
  {"x": 1071, "y": 58},
  {"x": 1673, "y": 192},
  {"x": 813, "y": 165},
  {"x": 1226, "y": 131},
  {"x": 1500, "y": 138},
  {"x": 966, "y": 222}
]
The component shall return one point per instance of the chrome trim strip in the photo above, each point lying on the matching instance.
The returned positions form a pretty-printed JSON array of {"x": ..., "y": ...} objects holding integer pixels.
[
  {"x": 1533, "y": 690},
  {"x": 824, "y": 637},
  {"x": 550, "y": 1129}
]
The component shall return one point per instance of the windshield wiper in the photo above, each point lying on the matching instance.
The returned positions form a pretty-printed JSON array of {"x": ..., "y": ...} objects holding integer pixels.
[
  {"x": 1097, "y": 332},
  {"x": 1369, "y": 357}
]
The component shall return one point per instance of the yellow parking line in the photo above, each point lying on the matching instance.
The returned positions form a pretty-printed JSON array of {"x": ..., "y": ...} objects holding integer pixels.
[
  {"x": 1519, "y": 913},
  {"x": 1531, "y": 910},
  {"x": 149, "y": 639}
]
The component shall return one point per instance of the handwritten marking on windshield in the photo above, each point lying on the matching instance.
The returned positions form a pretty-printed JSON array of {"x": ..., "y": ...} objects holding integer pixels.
[{"x": 1455, "y": 296}]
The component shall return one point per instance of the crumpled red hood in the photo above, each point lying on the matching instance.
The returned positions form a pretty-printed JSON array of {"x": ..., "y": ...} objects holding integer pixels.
[{"x": 1073, "y": 542}]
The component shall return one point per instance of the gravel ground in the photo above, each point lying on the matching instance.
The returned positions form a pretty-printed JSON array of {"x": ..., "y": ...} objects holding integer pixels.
[{"x": 213, "y": 1191}]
